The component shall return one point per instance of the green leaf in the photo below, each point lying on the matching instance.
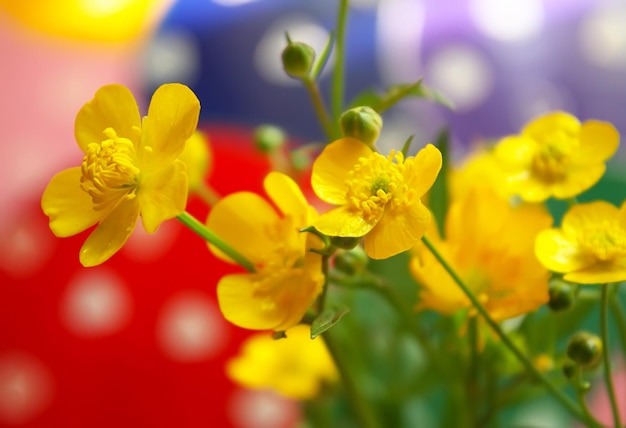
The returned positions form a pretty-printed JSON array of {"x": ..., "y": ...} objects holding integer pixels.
[
  {"x": 438, "y": 197},
  {"x": 394, "y": 94},
  {"x": 329, "y": 317}
]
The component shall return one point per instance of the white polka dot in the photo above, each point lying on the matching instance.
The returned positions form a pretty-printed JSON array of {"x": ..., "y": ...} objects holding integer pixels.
[
  {"x": 191, "y": 328},
  {"x": 25, "y": 388},
  {"x": 268, "y": 52},
  {"x": 508, "y": 20},
  {"x": 172, "y": 56},
  {"x": 148, "y": 247},
  {"x": 261, "y": 409},
  {"x": 603, "y": 36},
  {"x": 96, "y": 303},
  {"x": 399, "y": 39},
  {"x": 462, "y": 73},
  {"x": 25, "y": 247}
]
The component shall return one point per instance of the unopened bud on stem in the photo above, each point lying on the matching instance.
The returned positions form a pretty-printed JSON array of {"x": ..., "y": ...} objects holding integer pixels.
[
  {"x": 298, "y": 59},
  {"x": 362, "y": 123}
]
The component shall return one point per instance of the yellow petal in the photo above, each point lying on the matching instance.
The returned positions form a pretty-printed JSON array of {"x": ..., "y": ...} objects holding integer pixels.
[
  {"x": 331, "y": 168},
  {"x": 242, "y": 220},
  {"x": 582, "y": 216},
  {"x": 113, "y": 106},
  {"x": 172, "y": 119},
  {"x": 111, "y": 234},
  {"x": 548, "y": 123},
  {"x": 422, "y": 170},
  {"x": 599, "y": 273},
  {"x": 529, "y": 188},
  {"x": 299, "y": 291},
  {"x": 69, "y": 207},
  {"x": 163, "y": 195},
  {"x": 558, "y": 253},
  {"x": 242, "y": 306},
  {"x": 598, "y": 141},
  {"x": 397, "y": 231},
  {"x": 515, "y": 153},
  {"x": 342, "y": 221},
  {"x": 437, "y": 290},
  {"x": 286, "y": 194},
  {"x": 579, "y": 178}
]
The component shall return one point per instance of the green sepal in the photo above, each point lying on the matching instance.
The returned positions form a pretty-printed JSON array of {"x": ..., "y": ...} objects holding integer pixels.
[
  {"x": 328, "y": 318},
  {"x": 407, "y": 145}
]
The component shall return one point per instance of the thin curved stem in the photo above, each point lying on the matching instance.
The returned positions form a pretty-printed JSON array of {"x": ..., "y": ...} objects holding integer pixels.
[
  {"x": 606, "y": 354},
  {"x": 620, "y": 317},
  {"x": 565, "y": 400},
  {"x": 201, "y": 230},
  {"x": 361, "y": 409},
  {"x": 207, "y": 194},
  {"x": 320, "y": 108},
  {"x": 338, "y": 87},
  {"x": 580, "y": 394}
]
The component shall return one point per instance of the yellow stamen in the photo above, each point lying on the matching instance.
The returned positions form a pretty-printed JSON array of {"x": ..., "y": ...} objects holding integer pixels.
[
  {"x": 606, "y": 241},
  {"x": 109, "y": 170},
  {"x": 375, "y": 182},
  {"x": 553, "y": 157}
]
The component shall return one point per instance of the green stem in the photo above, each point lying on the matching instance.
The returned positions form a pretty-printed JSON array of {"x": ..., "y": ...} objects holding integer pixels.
[
  {"x": 320, "y": 109},
  {"x": 565, "y": 400},
  {"x": 201, "y": 230},
  {"x": 207, "y": 194},
  {"x": 339, "y": 70},
  {"x": 620, "y": 318},
  {"x": 472, "y": 392},
  {"x": 362, "y": 409},
  {"x": 580, "y": 394},
  {"x": 606, "y": 354}
]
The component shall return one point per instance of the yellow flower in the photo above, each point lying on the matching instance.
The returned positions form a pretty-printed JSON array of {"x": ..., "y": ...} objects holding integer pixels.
[
  {"x": 129, "y": 168},
  {"x": 288, "y": 276},
  {"x": 490, "y": 245},
  {"x": 295, "y": 367},
  {"x": 378, "y": 196},
  {"x": 556, "y": 155},
  {"x": 478, "y": 168},
  {"x": 590, "y": 245},
  {"x": 198, "y": 158}
]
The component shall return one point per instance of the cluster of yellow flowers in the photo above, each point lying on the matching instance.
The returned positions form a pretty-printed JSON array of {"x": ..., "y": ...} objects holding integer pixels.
[{"x": 497, "y": 235}]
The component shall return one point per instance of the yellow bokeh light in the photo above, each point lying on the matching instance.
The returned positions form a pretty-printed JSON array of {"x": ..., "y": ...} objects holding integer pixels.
[{"x": 88, "y": 20}]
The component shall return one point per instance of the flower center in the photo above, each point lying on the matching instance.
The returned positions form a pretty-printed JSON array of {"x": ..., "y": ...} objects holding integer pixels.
[
  {"x": 606, "y": 241},
  {"x": 109, "y": 170},
  {"x": 374, "y": 182},
  {"x": 551, "y": 160}
]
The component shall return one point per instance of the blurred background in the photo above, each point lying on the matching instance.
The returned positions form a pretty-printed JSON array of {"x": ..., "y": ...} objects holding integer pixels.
[{"x": 140, "y": 342}]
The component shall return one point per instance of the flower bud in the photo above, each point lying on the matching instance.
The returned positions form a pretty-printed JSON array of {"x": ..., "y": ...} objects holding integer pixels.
[
  {"x": 268, "y": 138},
  {"x": 585, "y": 349},
  {"x": 351, "y": 261},
  {"x": 298, "y": 59},
  {"x": 362, "y": 123},
  {"x": 569, "y": 369},
  {"x": 562, "y": 295}
]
